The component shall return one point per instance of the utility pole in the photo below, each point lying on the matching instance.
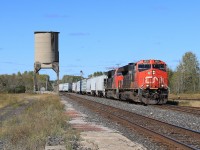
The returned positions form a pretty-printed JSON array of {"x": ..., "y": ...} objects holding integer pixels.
[{"x": 81, "y": 73}]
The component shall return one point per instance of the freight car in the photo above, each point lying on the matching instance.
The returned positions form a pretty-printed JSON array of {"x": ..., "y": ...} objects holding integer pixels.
[
  {"x": 78, "y": 87},
  {"x": 144, "y": 81},
  {"x": 74, "y": 87},
  {"x": 81, "y": 86},
  {"x": 88, "y": 86},
  {"x": 65, "y": 87},
  {"x": 97, "y": 85},
  {"x": 94, "y": 86},
  {"x": 61, "y": 87}
]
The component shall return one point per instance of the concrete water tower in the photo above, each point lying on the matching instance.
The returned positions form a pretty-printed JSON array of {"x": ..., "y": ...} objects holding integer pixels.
[{"x": 46, "y": 53}]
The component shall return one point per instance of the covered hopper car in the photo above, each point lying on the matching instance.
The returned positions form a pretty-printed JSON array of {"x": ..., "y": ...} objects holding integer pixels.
[{"x": 65, "y": 87}]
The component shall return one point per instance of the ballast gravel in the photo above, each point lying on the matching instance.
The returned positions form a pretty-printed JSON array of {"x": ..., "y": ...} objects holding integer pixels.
[
  {"x": 172, "y": 117},
  {"x": 99, "y": 120}
]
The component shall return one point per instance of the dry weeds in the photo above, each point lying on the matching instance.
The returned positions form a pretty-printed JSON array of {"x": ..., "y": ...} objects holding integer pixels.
[
  {"x": 184, "y": 96},
  {"x": 43, "y": 119},
  {"x": 12, "y": 99},
  {"x": 189, "y": 103},
  {"x": 185, "y": 99}
]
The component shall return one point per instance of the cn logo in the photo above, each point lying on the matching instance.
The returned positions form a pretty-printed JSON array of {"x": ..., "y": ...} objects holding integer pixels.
[{"x": 150, "y": 79}]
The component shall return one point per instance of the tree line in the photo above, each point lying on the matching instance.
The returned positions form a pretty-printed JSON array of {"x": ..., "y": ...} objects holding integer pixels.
[
  {"x": 22, "y": 82},
  {"x": 184, "y": 79}
]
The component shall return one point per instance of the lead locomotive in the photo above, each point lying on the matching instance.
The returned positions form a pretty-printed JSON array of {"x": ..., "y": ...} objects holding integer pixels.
[{"x": 145, "y": 81}]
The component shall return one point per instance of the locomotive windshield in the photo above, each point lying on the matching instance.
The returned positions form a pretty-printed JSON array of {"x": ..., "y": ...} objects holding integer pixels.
[
  {"x": 142, "y": 67},
  {"x": 159, "y": 66}
]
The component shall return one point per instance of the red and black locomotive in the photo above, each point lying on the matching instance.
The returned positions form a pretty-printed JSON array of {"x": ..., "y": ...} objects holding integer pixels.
[{"x": 145, "y": 81}]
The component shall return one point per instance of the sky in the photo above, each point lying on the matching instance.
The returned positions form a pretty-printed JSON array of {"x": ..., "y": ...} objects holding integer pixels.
[{"x": 96, "y": 35}]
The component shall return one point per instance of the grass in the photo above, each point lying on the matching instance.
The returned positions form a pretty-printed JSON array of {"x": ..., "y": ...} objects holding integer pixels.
[
  {"x": 187, "y": 102},
  {"x": 184, "y": 96},
  {"x": 12, "y": 99},
  {"x": 43, "y": 119}
]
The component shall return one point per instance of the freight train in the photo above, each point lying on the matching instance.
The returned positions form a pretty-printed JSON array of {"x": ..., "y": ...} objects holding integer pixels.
[{"x": 145, "y": 81}]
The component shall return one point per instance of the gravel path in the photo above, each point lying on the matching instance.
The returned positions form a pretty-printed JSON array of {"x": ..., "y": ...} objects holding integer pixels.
[{"x": 172, "y": 117}]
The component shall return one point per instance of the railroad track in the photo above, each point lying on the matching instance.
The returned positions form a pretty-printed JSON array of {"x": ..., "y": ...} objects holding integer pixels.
[
  {"x": 183, "y": 99},
  {"x": 190, "y": 110},
  {"x": 166, "y": 135}
]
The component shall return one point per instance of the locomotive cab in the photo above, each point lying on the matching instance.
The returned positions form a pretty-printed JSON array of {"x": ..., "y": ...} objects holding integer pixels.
[{"x": 152, "y": 81}]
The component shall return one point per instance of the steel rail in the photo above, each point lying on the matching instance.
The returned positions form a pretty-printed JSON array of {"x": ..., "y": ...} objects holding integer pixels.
[
  {"x": 157, "y": 136},
  {"x": 183, "y": 99},
  {"x": 190, "y": 110}
]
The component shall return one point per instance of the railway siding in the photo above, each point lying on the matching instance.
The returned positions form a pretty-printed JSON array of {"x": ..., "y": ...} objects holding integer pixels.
[
  {"x": 171, "y": 136},
  {"x": 173, "y": 117},
  {"x": 97, "y": 136},
  {"x": 189, "y": 110}
]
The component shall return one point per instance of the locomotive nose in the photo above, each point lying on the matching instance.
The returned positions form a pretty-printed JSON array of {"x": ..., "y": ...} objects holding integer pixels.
[{"x": 152, "y": 81}]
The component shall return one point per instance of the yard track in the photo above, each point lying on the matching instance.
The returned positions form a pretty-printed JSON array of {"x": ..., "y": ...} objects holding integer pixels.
[
  {"x": 183, "y": 99},
  {"x": 190, "y": 110},
  {"x": 166, "y": 135}
]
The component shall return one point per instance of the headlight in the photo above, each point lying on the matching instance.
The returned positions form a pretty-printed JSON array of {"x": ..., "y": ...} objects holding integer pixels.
[
  {"x": 162, "y": 85},
  {"x": 154, "y": 72}
]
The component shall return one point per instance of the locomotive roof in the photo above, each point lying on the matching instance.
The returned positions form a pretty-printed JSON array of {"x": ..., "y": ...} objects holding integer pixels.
[
  {"x": 151, "y": 61},
  {"x": 126, "y": 67}
]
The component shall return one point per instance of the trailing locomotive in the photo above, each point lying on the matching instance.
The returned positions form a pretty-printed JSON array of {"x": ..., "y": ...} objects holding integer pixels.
[{"x": 145, "y": 81}]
